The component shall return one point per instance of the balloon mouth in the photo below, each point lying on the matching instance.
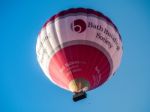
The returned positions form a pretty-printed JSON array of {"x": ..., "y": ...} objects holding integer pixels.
[{"x": 78, "y": 85}]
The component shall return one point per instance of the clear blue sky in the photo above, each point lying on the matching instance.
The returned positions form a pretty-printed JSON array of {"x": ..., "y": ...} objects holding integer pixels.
[{"x": 24, "y": 87}]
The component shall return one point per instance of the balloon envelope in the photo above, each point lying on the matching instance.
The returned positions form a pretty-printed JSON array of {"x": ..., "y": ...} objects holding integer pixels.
[{"x": 79, "y": 49}]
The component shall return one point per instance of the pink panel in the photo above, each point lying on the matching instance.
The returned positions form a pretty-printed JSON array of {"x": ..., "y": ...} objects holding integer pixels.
[{"x": 79, "y": 61}]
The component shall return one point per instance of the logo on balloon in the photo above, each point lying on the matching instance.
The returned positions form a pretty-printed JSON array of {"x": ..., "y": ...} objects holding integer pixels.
[{"x": 78, "y": 25}]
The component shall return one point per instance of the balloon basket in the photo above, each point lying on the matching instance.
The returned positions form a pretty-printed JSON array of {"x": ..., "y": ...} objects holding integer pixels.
[{"x": 79, "y": 96}]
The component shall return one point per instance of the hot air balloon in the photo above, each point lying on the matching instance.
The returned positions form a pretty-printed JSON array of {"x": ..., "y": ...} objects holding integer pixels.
[{"x": 79, "y": 49}]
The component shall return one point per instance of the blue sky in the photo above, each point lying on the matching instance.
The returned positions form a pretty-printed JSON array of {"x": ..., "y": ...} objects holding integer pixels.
[{"x": 24, "y": 87}]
